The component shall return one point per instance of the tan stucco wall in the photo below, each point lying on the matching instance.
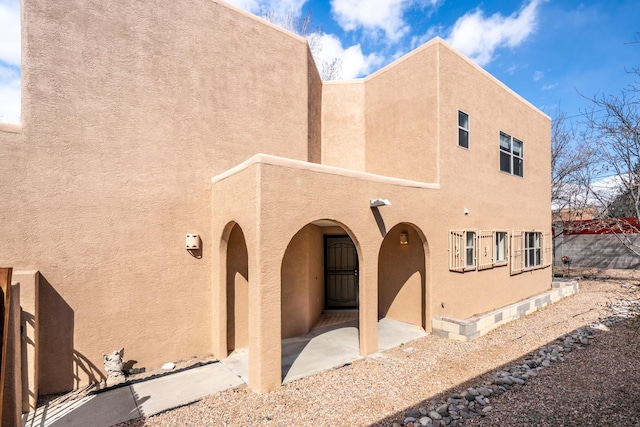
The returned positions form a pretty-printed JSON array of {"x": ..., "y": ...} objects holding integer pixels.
[
  {"x": 401, "y": 116},
  {"x": 411, "y": 132},
  {"x": 237, "y": 291},
  {"x": 314, "y": 103},
  {"x": 343, "y": 124},
  {"x": 402, "y": 277},
  {"x": 128, "y": 111},
  {"x": 471, "y": 179},
  {"x": 302, "y": 282}
]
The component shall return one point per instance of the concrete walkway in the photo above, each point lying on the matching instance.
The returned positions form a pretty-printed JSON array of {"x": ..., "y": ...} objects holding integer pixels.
[{"x": 322, "y": 349}]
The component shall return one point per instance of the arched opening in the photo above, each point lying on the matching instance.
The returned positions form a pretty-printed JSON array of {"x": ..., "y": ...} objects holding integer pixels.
[
  {"x": 402, "y": 276},
  {"x": 237, "y": 290},
  {"x": 318, "y": 300},
  {"x": 302, "y": 275},
  {"x": 319, "y": 274}
]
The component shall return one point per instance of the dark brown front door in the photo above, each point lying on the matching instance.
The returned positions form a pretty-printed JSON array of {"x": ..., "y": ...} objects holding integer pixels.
[{"x": 341, "y": 273}]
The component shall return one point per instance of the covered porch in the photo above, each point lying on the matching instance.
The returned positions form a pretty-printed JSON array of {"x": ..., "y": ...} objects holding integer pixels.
[{"x": 297, "y": 239}]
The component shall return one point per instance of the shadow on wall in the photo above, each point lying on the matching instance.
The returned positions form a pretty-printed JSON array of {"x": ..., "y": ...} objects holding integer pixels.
[
  {"x": 237, "y": 290},
  {"x": 401, "y": 277},
  {"x": 61, "y": 367}
]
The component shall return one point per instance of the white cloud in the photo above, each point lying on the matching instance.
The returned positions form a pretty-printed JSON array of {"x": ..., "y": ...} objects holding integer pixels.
[
  {"x": 10, "y": 87},
  {"x": 376, "y": 15},
  {"x": 478, "y": 36},
  {"x": 279, "y": 7},
  {"x": 549, "y": 87},
  {"x": 10, "y": 32},
  {"x": 538, "y": 75},
  {"x": 10, "y": 95},
  {"x": 354, "y": 62}
]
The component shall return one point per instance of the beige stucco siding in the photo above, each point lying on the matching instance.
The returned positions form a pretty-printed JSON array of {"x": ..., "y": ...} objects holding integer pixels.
[
  {"x": 343, "y": 124},
  {"x": 401, "y": 117},
  {"x": 302, "y": 282},
  {"x": 129, "y": 109},
  {"x": 471, "y": 179}
]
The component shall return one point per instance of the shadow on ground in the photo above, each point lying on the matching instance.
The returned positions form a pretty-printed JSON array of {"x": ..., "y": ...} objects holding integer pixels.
[{"x": 596, "y": 384}]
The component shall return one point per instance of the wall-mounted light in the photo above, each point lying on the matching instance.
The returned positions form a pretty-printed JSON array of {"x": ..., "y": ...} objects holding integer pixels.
[
  {"x": 404, "y": 238},
  {"x": 374, "y": 203},
  {"x": 193, "y": 242}
]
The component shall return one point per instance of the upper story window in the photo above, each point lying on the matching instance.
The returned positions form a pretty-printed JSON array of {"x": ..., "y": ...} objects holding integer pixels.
[
  {"x": 463, "y": 129},
  {"x": 511, "y": 155}
]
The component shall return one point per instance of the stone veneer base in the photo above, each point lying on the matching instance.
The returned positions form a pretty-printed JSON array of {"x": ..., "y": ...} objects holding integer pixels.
[{"x": 473, "y": 327}]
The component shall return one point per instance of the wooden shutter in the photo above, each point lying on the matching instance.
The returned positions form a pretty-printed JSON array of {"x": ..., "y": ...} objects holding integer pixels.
[
  {"x": 517, "y": 252},
  {"x": 485, "y": 249},
  {"x": 547, "y": 252},
  {"x": 457, "y": 261}
]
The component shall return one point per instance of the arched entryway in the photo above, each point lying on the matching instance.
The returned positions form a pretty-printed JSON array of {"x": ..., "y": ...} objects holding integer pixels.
[
  {"x": 402, "y": 276},
  {"x": 237, "y": 290},
  {"x": 319, "y": 300},
  {"x": 319, "y": 273}
]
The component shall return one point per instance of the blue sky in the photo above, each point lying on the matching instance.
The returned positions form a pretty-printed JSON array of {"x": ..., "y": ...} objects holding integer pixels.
[{"x": 545, "y": 50}]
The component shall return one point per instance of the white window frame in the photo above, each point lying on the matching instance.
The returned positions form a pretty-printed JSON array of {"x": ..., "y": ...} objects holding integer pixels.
[
  {"x": 496, "y": 247},
  {"x": 458, "y": 250},
  {"x": 461, "y": 128},
  {"x": 513, "y": 157},
  {"x": 470, "y": 257},
  {"x": 523, "y": 251},
  {"x": 532, "y": 250}
]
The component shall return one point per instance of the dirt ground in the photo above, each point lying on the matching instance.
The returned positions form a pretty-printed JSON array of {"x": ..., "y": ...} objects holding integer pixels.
[{"x": 598, "y": 385}]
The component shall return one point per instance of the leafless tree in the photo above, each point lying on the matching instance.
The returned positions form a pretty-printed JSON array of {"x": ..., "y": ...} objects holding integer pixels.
[
  {"x": 329, "y": 70},
  {"x": 572, "y": 167},
  {"x": 607, "y": 145}
]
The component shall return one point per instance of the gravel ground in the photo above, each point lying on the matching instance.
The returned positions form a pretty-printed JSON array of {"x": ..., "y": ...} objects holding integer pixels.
[{"x": 599, "y": 385}]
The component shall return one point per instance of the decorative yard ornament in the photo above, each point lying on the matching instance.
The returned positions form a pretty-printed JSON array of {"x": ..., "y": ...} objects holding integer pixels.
[{"x": 113, "y": 365}]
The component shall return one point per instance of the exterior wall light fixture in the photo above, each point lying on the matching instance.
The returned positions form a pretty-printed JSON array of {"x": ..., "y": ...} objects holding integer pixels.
[
  {"x": 193, "y": 242},
  {"x": 374, "y": 203},
  {"x": 404, "y": 238}
]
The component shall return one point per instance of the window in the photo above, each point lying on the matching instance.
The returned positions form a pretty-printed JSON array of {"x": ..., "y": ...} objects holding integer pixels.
[
  {"x": 532, "y": 250},
  {"x": 511, "y": 155},
  {"x": 500, "y": 247},
  {"x": 462, "y": 250},
  {"x": 471, "y": 249},
  {"x": 463, "y": 129}
]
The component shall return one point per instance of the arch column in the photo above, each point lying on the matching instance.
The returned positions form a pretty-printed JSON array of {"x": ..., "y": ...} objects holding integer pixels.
[
  {"x": 368, "y": 322},
  {"x": 265, "y": 347}
]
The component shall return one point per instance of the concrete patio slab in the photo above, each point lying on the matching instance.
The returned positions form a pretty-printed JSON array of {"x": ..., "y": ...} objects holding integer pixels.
[
  {"x": 96, "y": 410},
  {"x": 392, "y": 333},
  {"x": 182, "y": 388},
  {"x": 317, "y": 352},
  {"x": 321, "y": 349}
]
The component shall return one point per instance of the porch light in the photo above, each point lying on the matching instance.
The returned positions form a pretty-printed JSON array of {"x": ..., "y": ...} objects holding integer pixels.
[
  {"x": 404, "y": 238},
  {"x": 374, "y": 203}
]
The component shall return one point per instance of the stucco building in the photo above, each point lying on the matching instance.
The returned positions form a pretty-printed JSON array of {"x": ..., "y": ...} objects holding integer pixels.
[{"x": 144, "y": 124}]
